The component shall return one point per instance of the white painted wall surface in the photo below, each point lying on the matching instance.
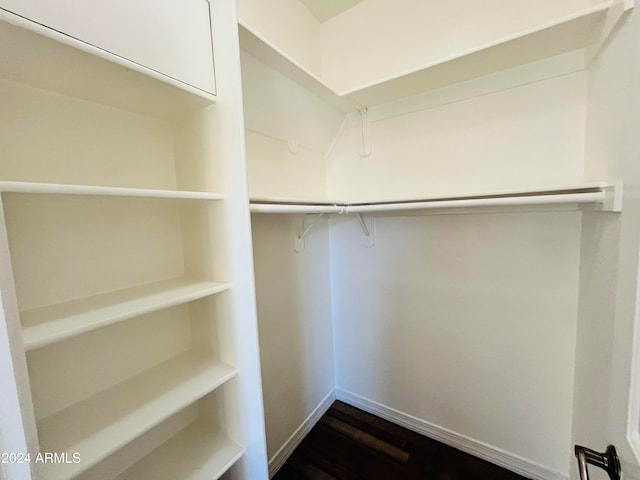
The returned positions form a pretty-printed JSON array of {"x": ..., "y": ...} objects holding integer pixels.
[
  {"x": 528, "y": 136},
  {"x": 294, "y": 320},
  {"x": 278, "y": 111},
  {"x": 378, "y": 39},
  {"x": 464, "y": 321},
  {"x": 288, "y": 25},
  {"x": 608, "y": 290},
  {"x": 277, "y": 106},
  {"x": 276, "y": 172}
]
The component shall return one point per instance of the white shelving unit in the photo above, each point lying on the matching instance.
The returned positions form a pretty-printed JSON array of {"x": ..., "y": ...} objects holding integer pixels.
[{"x": 126, "y": 272}]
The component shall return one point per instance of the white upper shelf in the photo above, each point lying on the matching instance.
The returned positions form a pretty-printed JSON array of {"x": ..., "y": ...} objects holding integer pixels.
[
  {"x": 44, "y": 58},
  {"x": 607, "y": 196},
  {"x": 564, "y": 35}
]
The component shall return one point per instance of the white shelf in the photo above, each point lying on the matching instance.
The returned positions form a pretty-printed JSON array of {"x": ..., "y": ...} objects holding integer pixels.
[
  {"x": 100, "y": 425},
  {"x": 252, "y": 42},
  {"x": 606, "y": 195},
  {"x": 196, "y": 453},
  {"x": 54, "y": 323},
  {"x": 44, "y": 58},
  {"x": 545, "y": 41},
  {"x": 91, "y": 190},
  {"x": 571, "y": 33}
]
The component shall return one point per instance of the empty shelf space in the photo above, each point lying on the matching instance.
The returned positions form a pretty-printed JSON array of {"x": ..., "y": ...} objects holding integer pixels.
[
  {"x": 62, "y": 189},
  {"x": 196, "y": 453},
  {"x": 564, "y": 35},
  {"x": 47, "y": 325},
  {"x": 106, "y": 422}
]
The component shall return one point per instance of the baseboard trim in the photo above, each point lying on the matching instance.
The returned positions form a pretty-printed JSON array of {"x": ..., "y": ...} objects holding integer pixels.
[
  {"x": 281, "y": 456},
  {"x": 510, "y": 461}
]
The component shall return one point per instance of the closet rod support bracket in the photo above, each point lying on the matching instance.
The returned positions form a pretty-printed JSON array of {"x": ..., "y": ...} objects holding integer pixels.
[
  {"x": 613, "y": 198},
  {"x": 300, "y": 237},
  {"x": 369, "y": 231}
]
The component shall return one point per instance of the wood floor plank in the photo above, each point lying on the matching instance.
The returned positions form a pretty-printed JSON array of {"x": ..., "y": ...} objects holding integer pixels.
[
  {"x": 308, "y": 470},
  {"x": 382, "y": 429},
  {"x": 350, "y": 444},
  {"x": 349, "y": 458},
  {"x": 366, "y": 439}
]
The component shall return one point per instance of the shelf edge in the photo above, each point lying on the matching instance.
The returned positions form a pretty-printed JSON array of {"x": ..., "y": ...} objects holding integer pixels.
[
  {"x": 94, "y": 190},
  {"x": 34, "y": 339}
]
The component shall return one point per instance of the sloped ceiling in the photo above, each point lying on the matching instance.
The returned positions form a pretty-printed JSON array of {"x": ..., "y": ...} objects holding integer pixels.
[{"x": 325, "y": 9}]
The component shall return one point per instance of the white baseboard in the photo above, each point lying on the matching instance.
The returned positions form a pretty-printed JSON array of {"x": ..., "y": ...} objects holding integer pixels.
[
  {"x": 510, "y": 461},
  {"x": 296, "y": 437}
]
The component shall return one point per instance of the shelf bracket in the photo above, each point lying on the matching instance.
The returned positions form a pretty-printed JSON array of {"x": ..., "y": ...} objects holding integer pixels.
[
  {"x": 299, "y": 240},
  {"x": 364, "y": 142},
  {"x": 369, "y": 231}
]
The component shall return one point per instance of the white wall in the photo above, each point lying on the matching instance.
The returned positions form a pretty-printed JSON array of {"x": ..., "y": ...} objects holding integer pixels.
[
  {"x": 608, "y": 296},
  {"x": 378, "y": 39},
  {"x": 277, "y": 106},
  {"x": 532, "y": 135},
  {"x": 293, "y": 289},
  {"x": 278, "y": 111},
  {"x": 294, "y": 318},
  {"x": 274, "y": 171},
  {"x": 467, "y": 322}
]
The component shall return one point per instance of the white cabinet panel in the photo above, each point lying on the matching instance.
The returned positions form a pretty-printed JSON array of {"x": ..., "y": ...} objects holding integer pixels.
[{"x": 152, "y": 33}]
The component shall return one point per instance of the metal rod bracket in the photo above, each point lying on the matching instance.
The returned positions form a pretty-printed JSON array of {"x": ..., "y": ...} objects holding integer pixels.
[
  {"x": 369, "y": 231},
  {"x": 300, "y": 237}
]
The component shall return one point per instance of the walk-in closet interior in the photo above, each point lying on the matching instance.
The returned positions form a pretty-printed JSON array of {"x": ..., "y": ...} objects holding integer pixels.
[
  {"x": 486, "y": 317},
  {"x": 220, "y": 216}
]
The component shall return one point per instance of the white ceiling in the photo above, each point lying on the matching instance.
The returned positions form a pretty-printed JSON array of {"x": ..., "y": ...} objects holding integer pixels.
[{"x": 325, "y": 9}]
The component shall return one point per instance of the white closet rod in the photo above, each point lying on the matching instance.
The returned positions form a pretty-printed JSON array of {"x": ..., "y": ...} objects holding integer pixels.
[
  {"x": 292, "y": 208},
  {"x": 589, "y": 197},
  {"x": 497, "y": 201}
]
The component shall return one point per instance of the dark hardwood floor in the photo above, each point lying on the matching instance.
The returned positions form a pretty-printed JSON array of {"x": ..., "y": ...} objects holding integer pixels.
[{"x": 349, "y": 444}]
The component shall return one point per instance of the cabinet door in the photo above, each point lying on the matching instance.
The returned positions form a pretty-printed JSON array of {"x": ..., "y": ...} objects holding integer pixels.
[{"x": 172, "y": 37}]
